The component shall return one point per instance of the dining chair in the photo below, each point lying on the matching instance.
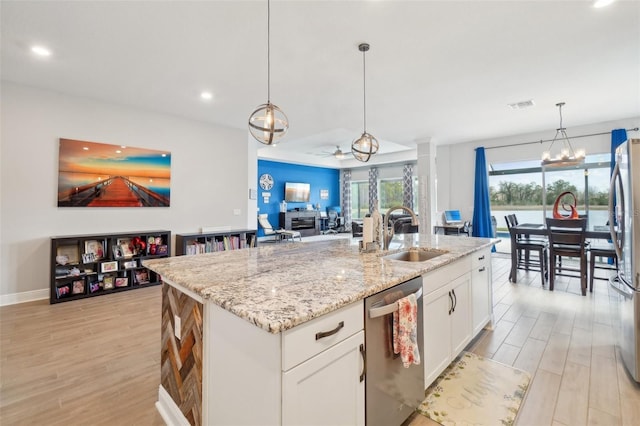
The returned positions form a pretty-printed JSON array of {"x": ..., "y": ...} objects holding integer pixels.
[
  {"x": 524, "y": 247},
  {"x": 567, "y": 239},
  {"x": 604, "y": 250}
]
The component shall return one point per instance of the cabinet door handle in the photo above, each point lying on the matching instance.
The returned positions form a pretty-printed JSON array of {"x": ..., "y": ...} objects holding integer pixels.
[
  {"x": 450, "y": 305},
  {"x": 481, "y": 257},
  {"x": 364, "y": 362},
  {"x": 455, "y": 300},
  {"x": 482, "y": 269},
  {"x": 322, "y": 334}
]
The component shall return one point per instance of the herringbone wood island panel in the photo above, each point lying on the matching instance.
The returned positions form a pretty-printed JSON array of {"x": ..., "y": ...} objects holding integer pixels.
[{"x": 181, "y": 359}]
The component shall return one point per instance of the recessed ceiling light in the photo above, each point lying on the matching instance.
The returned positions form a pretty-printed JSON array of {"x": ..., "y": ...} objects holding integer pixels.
[
  {"x": 522, "y": 104},
  {"x": 41, "y": 51},
  {"x": 602, "y": 3},
  {"x": 207, "y": 96},
  {"x": 86, "y": 148},
  {"x": 118, "y": 151}
]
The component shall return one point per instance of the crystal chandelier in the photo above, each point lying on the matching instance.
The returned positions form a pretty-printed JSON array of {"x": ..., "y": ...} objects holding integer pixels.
[
  {"x": 366, "y": 145},
  {"x": 566, "y": 156},
  {"x": 267, "y": 122}
]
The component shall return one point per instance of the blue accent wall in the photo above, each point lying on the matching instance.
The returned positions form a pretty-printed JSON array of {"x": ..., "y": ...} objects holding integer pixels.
[{"x": 318, "y": 177}]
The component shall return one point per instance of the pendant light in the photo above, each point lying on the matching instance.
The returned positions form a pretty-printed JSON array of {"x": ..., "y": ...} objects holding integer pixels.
[
  {"x": 566, "y": 156},
  {"x": 267, "y": 122},
  {"x": 366, "y": 145}
]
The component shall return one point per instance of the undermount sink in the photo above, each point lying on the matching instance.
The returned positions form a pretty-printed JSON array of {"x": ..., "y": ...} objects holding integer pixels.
[{"x": 416, "y": 255}]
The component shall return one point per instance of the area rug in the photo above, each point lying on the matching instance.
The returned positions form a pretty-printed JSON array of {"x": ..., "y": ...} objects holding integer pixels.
[{"x": 475, "y": 391}]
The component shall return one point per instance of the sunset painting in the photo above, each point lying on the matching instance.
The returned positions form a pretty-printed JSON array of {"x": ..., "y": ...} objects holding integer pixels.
[{"x": 94, "y": 174}]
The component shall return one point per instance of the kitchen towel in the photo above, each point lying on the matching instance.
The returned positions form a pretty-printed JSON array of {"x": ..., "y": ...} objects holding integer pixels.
[{"x": 405, "y": 331}]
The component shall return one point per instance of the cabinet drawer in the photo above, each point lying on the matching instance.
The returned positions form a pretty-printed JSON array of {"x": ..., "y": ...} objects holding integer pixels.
[
  {"x": 306, "y": 340},
  {"x": 433, "y": 280},
  {"x": 480, "y": 258}
]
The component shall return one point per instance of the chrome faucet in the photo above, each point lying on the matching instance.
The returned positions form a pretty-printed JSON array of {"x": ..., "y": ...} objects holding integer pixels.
[{"x": 388, "y": 233}]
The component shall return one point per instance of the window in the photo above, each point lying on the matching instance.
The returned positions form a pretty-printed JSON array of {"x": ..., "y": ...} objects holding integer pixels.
[
  {"x": 359, "y": 199},
  {"x": 390, "y": 193},
  {"x": 521, "y": 189}
]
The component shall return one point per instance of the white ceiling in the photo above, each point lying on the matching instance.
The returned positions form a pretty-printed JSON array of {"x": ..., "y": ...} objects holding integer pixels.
[{"x": 436, "y": 69}]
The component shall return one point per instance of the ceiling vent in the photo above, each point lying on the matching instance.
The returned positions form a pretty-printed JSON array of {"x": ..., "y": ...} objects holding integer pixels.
[{"x": 522, "y": 104}]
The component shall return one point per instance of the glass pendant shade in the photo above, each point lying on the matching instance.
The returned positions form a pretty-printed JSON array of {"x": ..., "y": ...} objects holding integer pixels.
[
  {"x": 364, "y": 147},
  {"x": 565, "y": 156},
  {"x": 268, "y": 123}
]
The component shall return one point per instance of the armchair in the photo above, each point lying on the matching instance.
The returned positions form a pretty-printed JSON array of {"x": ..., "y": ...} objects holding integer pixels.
[{"x": 278, "y": 234}]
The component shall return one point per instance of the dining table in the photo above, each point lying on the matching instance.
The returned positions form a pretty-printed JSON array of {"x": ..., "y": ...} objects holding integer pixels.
[{"x": 525, "y": 230}]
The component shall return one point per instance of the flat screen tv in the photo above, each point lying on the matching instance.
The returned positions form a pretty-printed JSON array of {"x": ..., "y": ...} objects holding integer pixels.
[{"x": 297, "y": 192}]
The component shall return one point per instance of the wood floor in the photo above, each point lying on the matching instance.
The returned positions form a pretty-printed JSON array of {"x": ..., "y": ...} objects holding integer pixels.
[{"x": 96, "y": 361}]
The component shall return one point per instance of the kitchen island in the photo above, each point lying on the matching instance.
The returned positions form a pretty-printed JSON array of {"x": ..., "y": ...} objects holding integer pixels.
[{"x": 236, "y": 326}]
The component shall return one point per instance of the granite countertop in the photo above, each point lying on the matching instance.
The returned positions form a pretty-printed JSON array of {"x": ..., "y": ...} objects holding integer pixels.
[{"x": 279, "y": 286}]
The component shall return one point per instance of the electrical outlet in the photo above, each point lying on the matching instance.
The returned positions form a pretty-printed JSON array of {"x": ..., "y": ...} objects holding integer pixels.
[
  {"x": 237, "y": 212},
  {"x": 177, "y": 326}
]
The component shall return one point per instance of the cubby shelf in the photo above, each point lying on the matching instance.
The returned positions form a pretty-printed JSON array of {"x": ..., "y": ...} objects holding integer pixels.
[
  {"x": 97, "y": 264},
  {"x": 197, "y": 243}
]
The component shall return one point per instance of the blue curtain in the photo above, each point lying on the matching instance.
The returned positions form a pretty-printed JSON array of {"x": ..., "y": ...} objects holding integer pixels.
[
  {"x": 481, "y": 206},
  {"x": 617, "y": 137}
]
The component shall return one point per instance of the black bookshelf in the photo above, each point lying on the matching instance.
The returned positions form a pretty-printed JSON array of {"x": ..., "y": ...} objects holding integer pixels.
[{"x": 98, "y": 264}]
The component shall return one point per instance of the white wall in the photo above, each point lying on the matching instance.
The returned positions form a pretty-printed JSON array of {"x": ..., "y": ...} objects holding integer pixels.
[
  {"x": 456, "y": 163},
  {"x": 212, "y": 169}
]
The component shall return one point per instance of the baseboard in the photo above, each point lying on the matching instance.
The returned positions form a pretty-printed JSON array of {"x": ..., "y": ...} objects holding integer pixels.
[
  {"x": 168, "y": 409},
  {"x": 25, "y": 296}
]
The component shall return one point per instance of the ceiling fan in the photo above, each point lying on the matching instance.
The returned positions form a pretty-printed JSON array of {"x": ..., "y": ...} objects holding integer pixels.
[{"x": 337, "y": 153}]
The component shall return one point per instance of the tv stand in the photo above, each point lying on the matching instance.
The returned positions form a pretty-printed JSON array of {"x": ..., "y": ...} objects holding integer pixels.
[{"x": 307, "y": 222}]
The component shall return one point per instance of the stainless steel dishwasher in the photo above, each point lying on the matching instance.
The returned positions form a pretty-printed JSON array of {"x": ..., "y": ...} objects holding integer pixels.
[{"x": 393, "y": 392}]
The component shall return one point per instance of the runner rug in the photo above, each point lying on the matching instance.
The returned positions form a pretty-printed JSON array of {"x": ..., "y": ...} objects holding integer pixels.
[{"x": 476, "y": 391}]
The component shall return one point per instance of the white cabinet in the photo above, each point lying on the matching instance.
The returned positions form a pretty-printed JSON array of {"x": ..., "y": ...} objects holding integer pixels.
[
  {"x": 481, "y": 289},
  {"x": 437, "y": 333},
  {"x": 323, "y": 370},
  {"x": 447, "y": 325},
  {"x": 326, "y": 389},
  {"x": 460, "y": 314},
  {"x": 447, "y": 315}
]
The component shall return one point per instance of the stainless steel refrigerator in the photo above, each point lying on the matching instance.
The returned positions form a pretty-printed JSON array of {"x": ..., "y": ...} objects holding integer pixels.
[{"x": 624, "y": 220}]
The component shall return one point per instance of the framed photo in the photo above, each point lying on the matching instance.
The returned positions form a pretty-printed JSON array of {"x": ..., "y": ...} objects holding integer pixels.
[
  {"x": 162, "y": 249},
  {"x": 63, "y": 291},
  {"x": 324, "y": 194},
  {"x": 141, "y": 276},
  {"x": 69, "y": 253},
  {"x": 130, "y": 264},
  {"x": 117, "y": 252},
  {"x": 88, "y": 257},
  {"x": 93, "y": 284},
  {"x": 122, "y": 282},
  {"x": 126, "y": 247},
  {"x": 77, "y": 287},
  {"x": 108, "y": 267},
  {"x": 108, "y": 282},
  {"x": 94, "y": 247}
]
